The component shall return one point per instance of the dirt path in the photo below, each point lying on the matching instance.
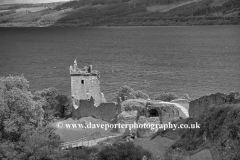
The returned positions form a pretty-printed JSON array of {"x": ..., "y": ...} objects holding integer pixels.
[{"x": 87, "y": 143}]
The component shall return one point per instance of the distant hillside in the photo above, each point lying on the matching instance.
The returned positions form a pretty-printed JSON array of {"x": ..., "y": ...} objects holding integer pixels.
[
  {"x": 43, "y": 14},
  {"x": 130, "y": 12}
]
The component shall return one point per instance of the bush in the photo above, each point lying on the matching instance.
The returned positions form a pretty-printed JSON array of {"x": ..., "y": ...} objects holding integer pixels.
[
  {"x": 167, "y": 96},
  {"x": 84, "y": 153},
  {"x": 140, "y": 95},
  {"x": 127, "y": 92},
  {"x": 185, "y": 96},
  {"x": 122, "y": 151},
  {"x": 109, "y": 153}
]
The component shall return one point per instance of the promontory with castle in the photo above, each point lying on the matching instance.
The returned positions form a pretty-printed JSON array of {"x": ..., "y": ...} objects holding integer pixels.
[
  {"x": 84, "y": 125},
  {"x": 88, "y": 101}
]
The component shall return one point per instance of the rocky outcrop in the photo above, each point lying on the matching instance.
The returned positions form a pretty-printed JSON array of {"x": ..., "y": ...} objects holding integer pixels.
[{"x": 198, "y": 106}]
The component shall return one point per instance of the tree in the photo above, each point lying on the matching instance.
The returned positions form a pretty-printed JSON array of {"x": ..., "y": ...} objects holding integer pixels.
[
  {"x": 126, "y": 92},
  {"x": 43, "y": 143},
  {"x": 22, "y": 135},
  {"x": 18, "y": 109},
  {"x": 55, "y": 105},
  {"x": 140, "y": 95},
  {"x": 167, "y": 96},
  {"x": 185, "y": 96},
  {"x": 64, "y": 108}
]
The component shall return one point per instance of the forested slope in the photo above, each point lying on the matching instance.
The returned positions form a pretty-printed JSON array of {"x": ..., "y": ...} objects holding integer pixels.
[
  {"x": 151, "y": 12},
  {"x": 122, "y": 13}
]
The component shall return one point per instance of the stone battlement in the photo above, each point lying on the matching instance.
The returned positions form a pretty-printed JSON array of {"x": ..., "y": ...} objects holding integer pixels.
[{"x": 86, "y": 71}]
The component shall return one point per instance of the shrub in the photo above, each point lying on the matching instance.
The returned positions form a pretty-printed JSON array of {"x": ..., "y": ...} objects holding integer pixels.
[
  {"x": 125, "y": 91},
  {"x": 167, "y": 96},
  {"x": 123, "y": 150},
  {"x": 109, "y": 153},
  {"x": 219, "y": 128},
  {"x": 84, "y": 153},
  {"x": 140, "y": 95},
  {"x": 185, "y": 96}
]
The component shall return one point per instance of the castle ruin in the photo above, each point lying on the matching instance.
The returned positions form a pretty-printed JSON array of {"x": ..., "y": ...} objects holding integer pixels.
[{"x": 87, "y": 98}]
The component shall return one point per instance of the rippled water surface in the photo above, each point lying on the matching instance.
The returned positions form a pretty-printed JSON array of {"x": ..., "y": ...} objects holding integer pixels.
[{"x": 192, "y": 60}]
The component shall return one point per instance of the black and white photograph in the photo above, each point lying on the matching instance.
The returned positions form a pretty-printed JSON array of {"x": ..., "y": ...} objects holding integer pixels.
[{"x": 119, "y": 79}]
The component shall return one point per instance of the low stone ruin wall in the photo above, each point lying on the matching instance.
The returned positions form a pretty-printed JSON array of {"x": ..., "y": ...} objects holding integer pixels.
[
  {"x": 105, "y": 111},
  {"x": 198, "y": 106}
]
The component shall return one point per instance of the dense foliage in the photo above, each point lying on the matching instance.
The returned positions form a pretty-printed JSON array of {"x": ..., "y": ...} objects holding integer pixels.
[
  {"x": 22, "y": 133},
  {"x": 123, "y": 151},
  {"x": 219, "y": 131},
  {"x": 167, "y": 96},
  {"x": 55, "y": 105}
]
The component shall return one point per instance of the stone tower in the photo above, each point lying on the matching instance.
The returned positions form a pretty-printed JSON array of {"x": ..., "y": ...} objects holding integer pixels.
[{"x": 85, "y": 84}]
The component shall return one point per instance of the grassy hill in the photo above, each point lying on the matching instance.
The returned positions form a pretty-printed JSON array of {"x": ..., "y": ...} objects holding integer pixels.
[
  {"x": 30, "y": 14},
  {"x": 125, "y": 12},
  {"x": 151, "y": 12}
]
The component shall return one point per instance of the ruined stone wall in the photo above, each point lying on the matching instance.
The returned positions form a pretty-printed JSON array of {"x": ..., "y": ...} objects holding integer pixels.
[
  {"x": 198, "y": 106},
  {"x": 105, "y": 111},
  {"x": 167, "y": 113}
]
